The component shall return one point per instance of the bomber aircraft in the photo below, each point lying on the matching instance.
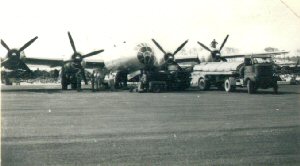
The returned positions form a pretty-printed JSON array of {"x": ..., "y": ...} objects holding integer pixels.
[
  {"x": 13, "y": 64},
  {"x": 72, "y": 69},
  {"x": 214, "y": 54},
  {"x": 140, "y": 59}
]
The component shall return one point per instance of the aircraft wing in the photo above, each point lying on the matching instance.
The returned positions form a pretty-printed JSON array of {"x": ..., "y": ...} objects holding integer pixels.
[
  {"x": 94, "y": 64},
  {"x": 257, "y": 54},
  {"x": 46, "y": 62}
]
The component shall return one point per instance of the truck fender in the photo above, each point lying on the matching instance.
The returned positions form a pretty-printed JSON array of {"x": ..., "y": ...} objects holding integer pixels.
[
  {"x": 232, "y": 81},
  {"x": 194, "y": 81}
]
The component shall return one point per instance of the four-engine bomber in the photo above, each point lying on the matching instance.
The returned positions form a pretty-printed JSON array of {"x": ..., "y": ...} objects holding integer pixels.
[{"x": 254, "y": 72}]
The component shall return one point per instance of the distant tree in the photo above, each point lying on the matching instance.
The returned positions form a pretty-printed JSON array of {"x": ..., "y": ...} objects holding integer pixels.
[
  {"x": 271, "y": 49},
  {"x": 230, "y": 50}
]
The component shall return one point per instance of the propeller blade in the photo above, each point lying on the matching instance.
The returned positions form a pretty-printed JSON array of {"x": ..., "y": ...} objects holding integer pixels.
[
  {"x": 4, "y": 45},
  {"x": 180, "y": 47},
  {"x": 159, "y": 47},
  {"x": 92, "y": 53},
  {"x": 83, "y": 76},
  {"x": 27, "y": 44},
  {"x": 72, "y": 42},
  {"x": 3, "y": 62},
  {"x": 225, "y": 40},
  {"x": 202, "y": 45}
]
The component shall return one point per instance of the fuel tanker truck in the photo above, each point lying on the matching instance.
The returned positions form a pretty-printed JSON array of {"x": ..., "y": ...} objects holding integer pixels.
[{"x": 253, "y": 72}]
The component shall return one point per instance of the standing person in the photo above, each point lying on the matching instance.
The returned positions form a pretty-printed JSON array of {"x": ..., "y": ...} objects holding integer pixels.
[
  {"x": 111, "y": 81},
  {"x": 99, "y": 79},
  {"x": 214, "y": 44},
  {"x": 93, "y": 81}
]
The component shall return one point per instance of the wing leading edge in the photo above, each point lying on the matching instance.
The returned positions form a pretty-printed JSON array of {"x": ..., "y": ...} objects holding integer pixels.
[
  {"x": 256, "y": 54},
  {"x": 45, "y": 62},
  {"x": 60, "y": 62}
]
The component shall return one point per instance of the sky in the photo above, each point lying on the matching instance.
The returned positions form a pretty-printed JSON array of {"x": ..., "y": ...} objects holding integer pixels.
[{"x": 101, "y": 24}]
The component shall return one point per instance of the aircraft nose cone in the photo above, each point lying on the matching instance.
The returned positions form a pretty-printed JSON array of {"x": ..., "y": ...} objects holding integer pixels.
[
  {"x": 147, "y": 54},
  {"x": 148, "y": 57}
]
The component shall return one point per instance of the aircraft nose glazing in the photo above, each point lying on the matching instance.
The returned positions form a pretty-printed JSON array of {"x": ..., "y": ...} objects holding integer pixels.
[{"x": 147, "y": 57}]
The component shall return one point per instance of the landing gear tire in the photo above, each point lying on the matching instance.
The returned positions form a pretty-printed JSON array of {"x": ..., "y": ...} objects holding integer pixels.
[
  {"x": 140, "y": 87},
  {"x": 275, "y": 89},
  {"x": 228, "y": 87},
  {"x": 7, "y": 82},
  {"x": 203, "y": 84},
  {"x": 64, "y": 84},
  {"x": 250, "y": 87},
  {"x": 78, "y": 82},
  {"x": 73, "y": 86},
  {"x": 156, "y": 90}
]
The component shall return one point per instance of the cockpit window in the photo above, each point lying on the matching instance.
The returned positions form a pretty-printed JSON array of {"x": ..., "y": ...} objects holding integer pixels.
[{"x": 144, "y": 49}]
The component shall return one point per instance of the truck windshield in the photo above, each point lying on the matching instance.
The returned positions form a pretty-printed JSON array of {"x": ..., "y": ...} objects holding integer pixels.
[{"x": 258, "y": 60}]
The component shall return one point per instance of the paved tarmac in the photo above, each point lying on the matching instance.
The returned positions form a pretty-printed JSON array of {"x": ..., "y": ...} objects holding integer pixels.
[{"x": 43, "y": 125}]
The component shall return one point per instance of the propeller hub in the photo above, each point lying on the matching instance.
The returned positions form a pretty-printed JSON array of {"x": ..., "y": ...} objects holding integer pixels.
[
  {"x": 169, "y": 57},
  {"x": 77, "y": 57},
  {"x": 216, "y": 55},
  {"x": 13, "y": 55}
]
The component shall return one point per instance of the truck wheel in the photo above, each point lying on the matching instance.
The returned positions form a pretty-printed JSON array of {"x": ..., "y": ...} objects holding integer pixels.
[
  {"x": 250, "y": 86},
  {"x": 220, "y": 86},
  {"x": 228, "y": 87},
  {"x": 203, "y": 85},
  {"x": 157, "y": 90}
]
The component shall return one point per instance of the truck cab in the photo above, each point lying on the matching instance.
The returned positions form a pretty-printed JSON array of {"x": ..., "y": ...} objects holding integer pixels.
[{"x": 259, "y": 72}]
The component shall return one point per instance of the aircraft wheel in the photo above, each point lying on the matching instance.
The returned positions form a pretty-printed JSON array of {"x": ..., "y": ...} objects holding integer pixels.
[
  {"x": 275, "y": 88},
  {"x": 250, "y": 86},
  {"x": 64, "y": 83},
  {"x": 78, "y": 82},
  {"x": 7, "y": 82},
  {"x": 73, "y": 86},
  {"x": 203, "y": 85}
]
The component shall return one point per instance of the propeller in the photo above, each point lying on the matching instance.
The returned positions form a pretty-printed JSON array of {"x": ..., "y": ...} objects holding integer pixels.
[
  {"x": 92, "y": 53},
  {"x": 216, "y": 54},
  {"x": 77, "y": 58},
  {"x": 169, "y": 57},
  {"x": 4, "y": 45},
  {"x": 159, "y": 47},
  {"x": 180, "y": 47},
  {"x": 72, "y": 42},
  {"x": 204, "y": 46},
  {"x": 27, "y": 44},
  {"x": 225, "y": 40},
  {"x": 13, "y": 55}
]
